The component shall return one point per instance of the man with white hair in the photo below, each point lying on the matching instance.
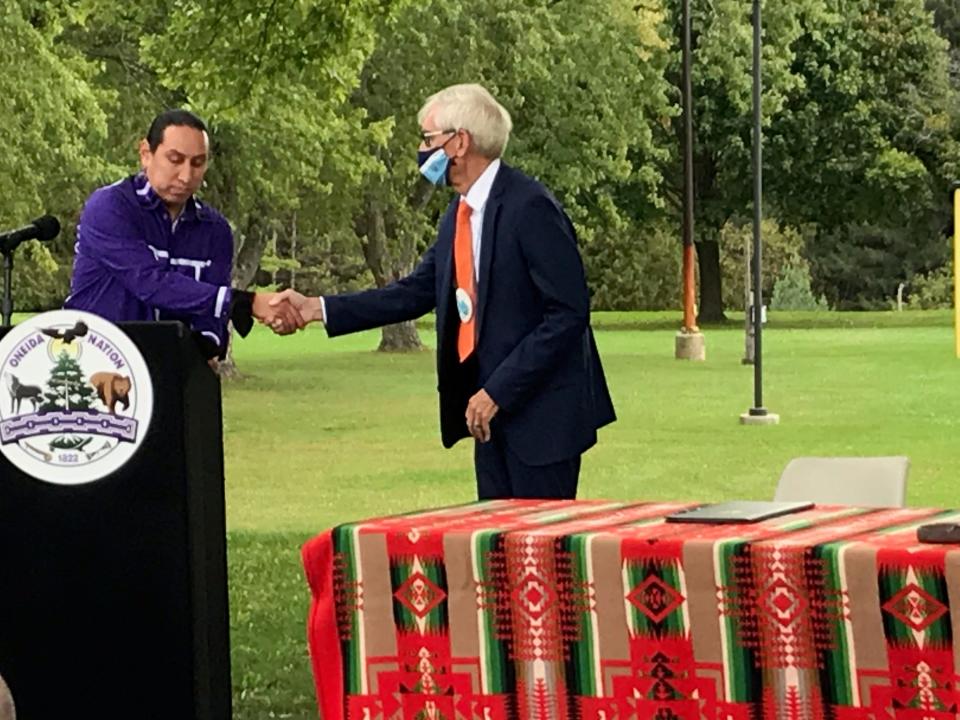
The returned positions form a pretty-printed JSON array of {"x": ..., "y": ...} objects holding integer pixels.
[{"x": 517, "y": 365}]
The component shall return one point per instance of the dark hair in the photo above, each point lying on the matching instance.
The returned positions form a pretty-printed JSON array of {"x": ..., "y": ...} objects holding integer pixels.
[{"x": 171, "y": 117}]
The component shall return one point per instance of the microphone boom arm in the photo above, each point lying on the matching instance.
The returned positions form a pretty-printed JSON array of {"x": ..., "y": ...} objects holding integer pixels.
[{"x": 42, "y": 229}]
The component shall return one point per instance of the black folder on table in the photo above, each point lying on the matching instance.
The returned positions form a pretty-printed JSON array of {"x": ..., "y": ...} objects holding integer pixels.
[{"x": 738, "y": 511}]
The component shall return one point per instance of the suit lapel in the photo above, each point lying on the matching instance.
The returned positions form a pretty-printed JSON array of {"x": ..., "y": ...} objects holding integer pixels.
[
  {"x": 444, "y": 260},
  {"x": 488, "y": 241}
]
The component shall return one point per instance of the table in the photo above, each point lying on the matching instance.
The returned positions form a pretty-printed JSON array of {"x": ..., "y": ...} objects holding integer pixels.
[{"x": 593, "y": 610}]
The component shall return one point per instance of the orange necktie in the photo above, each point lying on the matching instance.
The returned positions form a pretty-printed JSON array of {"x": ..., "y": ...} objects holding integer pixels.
[{"x": 466, "y": 287}]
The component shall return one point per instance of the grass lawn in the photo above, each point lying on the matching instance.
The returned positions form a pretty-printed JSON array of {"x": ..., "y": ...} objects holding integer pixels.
[{"x": 321, "y": 431}]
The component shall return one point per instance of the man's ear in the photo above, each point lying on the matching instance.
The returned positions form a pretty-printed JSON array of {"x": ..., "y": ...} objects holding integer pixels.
[
  {"x": 145, "y": 154},
  {"x": 465, "y": 142}
]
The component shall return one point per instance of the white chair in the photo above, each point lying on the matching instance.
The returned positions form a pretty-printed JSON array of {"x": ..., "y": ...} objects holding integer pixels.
[{"x": 863, "y": 481}]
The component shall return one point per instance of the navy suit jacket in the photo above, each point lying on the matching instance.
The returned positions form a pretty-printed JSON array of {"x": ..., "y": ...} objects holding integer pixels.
[{"x": 535, "y": 352}]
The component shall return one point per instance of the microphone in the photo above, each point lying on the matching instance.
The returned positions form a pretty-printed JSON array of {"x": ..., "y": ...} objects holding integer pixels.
[{"x": 43, "y": 229}]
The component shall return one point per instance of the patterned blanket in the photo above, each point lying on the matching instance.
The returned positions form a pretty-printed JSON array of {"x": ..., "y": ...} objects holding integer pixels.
[{"x": 548, "y": 610}]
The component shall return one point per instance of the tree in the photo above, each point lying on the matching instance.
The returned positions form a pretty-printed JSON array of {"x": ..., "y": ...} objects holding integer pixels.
[
  {"x": 67, "y": 389},
  {"x": 791, "y": 291},
  {"x": 722, "y": 92},
  {"x": 783, "y": 247},
  {"x": 946, "y": 18},
  {"x": 582, "y": 81},
  {"x": 864, "y": 147},
  {"x": 856, "y": 119},
  {"x": 270, "y": 79},
  {"x": 49, "y": 159},
  {"x": 312, "y": 105},
  {"x": 37, "y": 278}
]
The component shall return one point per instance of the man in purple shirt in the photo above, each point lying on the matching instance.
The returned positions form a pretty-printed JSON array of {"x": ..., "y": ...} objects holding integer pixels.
[{"x": 147, "y": 249}]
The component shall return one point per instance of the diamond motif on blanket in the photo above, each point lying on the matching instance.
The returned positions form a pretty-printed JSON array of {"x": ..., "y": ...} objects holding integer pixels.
[
  {"x": 782, "y": 602},
  {"x": 655, "y": 598},
  {"x": 420, "y": 595},
  {"x": 534, "y": 596},
  {"x": 915, "y": 607}
]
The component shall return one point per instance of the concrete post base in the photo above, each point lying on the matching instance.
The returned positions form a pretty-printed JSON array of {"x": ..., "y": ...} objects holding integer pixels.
[
  {"x": 768, "y": 419},
  {"x": 690, "y": 346}
]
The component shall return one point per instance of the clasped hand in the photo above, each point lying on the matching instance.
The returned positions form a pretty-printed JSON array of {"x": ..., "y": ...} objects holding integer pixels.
[
  {"x": 286, "y": 312},
  {"x": 281, "y": 317}
]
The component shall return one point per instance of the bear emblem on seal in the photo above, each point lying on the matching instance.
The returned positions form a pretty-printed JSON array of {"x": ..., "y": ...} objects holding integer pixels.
[{"x": 112, "y": 388}]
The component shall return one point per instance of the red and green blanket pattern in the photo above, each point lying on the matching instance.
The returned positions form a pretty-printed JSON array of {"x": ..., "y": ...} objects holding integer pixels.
[{"x": 556, "y": 610}]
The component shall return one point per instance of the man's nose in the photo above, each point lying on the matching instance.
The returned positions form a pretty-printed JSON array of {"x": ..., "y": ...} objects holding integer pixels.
[{"x": 190, "y": 175}]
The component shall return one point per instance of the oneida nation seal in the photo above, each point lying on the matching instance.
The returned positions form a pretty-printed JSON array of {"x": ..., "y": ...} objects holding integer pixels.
[{"x": 76, "y": 397}]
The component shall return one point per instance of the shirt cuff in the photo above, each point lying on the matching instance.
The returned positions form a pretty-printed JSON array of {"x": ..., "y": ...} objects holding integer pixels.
[
  {"x": 323, "y": 310},
  {"x": 241, "y": 311}
]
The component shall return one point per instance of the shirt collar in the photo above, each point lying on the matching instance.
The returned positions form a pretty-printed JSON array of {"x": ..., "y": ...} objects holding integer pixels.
[
  {"x": 479, "y": 192},
  {"x": 145, "y": 192},
  {"x": 148, "y": 197}
]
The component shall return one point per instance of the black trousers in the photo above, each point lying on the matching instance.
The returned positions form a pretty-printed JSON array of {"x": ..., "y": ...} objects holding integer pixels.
[{"x": 501, "y": 474}]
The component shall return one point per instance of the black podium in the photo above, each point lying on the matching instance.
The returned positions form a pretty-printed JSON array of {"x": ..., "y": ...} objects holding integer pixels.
[{"x": 113, "y": 594}]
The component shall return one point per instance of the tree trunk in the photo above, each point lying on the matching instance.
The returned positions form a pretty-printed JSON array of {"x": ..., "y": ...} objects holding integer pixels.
[
  {"x": 246, "y": 262},
  {"x": 711, "y": 291},
  {"x": 293, "y": 251},
  {"x": 371, "y": 227},
  {"x": 248, "y": 257},
  {"x": 227, "y": 369},
  {"x": 402, "y": 337}
]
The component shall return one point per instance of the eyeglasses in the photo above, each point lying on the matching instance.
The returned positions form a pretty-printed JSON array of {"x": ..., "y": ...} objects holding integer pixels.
[{"x": 427, "y": 136}]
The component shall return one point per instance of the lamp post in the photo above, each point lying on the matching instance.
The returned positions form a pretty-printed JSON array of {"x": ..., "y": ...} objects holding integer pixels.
[
  {"x": 757, "y": 414},
  {"x": 956, "y": 266},
  {"x": 690, "y": 343}
]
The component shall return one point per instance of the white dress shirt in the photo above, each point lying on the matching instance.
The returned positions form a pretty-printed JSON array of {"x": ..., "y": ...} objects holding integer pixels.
[{"x": 476, "y": 198}]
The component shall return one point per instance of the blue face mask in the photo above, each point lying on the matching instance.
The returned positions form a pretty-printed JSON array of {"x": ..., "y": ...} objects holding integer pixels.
[{"x": 434, "y": 165}]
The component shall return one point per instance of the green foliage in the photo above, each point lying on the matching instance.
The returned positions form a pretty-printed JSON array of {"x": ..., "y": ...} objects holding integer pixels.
[
  {"x": 859, "y": 118},
  {"x": 312, "y": 106},
  {"x": 782, "y": 247},
  {"x": 946, "y": 17},
  {"x": 50, "y": 160},
  {"x": 722, "y": 91},
  {"x": 38, "y": 283},
  {"x": 934, "y": 289},
  {"x": 587, "y": 138},
  {"x": 243, "y": 58},
  {"x": 792, "y": 290},
  {"x": 633, "y": 267},
  {"x": 861, "y": 266},
  {"x": 271, "y": 81},
  {"x": 722, "y": 116},
  {"x": 865, "y": 136},
  {"x": 865, "y": 150}
]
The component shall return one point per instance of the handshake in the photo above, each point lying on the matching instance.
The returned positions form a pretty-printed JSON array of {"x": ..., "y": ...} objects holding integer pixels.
[{"x": 286, "y": 312}]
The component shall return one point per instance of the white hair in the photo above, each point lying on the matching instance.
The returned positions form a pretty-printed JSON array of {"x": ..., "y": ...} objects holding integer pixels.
[{"x": 472, "y": 108}]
